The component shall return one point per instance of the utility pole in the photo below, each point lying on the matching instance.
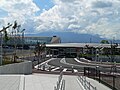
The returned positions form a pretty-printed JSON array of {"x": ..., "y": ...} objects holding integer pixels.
[
  {"x": 113, "y": 48},
  {"x": 1, "y": 57}
]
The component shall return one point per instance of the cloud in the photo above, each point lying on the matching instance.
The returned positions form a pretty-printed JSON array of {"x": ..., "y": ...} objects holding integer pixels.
[
  {"x": 96, "y": 17},
  {"x": 21, "y": 10}
]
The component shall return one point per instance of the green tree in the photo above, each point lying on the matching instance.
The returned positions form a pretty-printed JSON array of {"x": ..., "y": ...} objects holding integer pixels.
[
  {"x": 39, "y": 49},
  {"x": 104, "y": 42},
  {"x": 6, "y": 38}
]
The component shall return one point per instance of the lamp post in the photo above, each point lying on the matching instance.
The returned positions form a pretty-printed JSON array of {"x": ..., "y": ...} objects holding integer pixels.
[
  {"x": 114, "y": 75},
  {"x": 22, "y": 39},
  {"x": 1, "y": 49},
  {"x": 44, "y": 50},
  {"x": 97, "y": 55}
]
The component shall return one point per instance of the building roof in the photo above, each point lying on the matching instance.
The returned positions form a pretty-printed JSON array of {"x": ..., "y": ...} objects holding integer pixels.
[{"x": 77, "y": 45}]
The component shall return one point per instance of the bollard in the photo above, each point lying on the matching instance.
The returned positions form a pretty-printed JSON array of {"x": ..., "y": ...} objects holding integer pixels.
[
  {"x": 84, "y": 71},
  {"x": 43, "y": 67},
  {"x": 38, "y": 67},
  {"x": 55, "y": 88},
  {"x": 72, "y": 69},
  {"x": 99, "y": 76},
  {"x": 60, "y": 68},
  {"x": 49, "y": 69},
  {"x": 95, "y": 88},
  {"x": 88, "y": 72}
]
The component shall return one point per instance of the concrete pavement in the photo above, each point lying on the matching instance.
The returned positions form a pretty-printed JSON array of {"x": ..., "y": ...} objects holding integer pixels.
[
  {"x": 98, "y": 85},
  {"x": 43, "y": 82},
  {"x": 71, "y": 83},
  {"x": 48, "y": 81},
  {"x": 9, "y": 82}
]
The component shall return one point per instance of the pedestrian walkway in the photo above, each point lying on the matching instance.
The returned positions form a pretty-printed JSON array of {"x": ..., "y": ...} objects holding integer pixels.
[
  {"x": 71, "y": 83},
  {"x": 47, "y": 82},
  {"x": 98, "y": 85},
  {"x": 9, "y": 82},
  {"x": 40, "y": 82},
  {"x": 43, "y": 82}
]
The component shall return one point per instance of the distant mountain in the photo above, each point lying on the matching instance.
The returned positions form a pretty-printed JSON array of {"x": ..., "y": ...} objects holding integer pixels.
[{"x": 71, "y": 37}]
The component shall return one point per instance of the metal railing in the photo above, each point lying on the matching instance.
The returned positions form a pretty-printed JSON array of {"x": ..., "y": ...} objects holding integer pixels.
[
  {"x": 87, "y": 85},
  {"x": 60, "y": 83}
]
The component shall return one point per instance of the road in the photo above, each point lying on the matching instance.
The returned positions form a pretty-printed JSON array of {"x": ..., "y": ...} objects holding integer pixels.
[{"x": 68, "y": 63}]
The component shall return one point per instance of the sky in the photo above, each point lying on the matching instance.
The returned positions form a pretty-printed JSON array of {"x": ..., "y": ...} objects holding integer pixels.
[{"x": 93, "y": 17}]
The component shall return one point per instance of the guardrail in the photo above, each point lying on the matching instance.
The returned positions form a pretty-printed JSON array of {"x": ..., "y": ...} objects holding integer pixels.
[
  {"x": 87, "y": 85},
  {"x": 60, "y": 83}
]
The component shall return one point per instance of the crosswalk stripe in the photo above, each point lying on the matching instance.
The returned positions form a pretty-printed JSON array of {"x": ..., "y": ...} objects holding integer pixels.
[
  {"x": 65, "y": 70},
  {"x": 55, "y": 69},
  {"x": 75, "y": 70}
]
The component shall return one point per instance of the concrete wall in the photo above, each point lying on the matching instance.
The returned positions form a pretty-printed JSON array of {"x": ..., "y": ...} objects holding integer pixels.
[{"x": 17, "y": 68}]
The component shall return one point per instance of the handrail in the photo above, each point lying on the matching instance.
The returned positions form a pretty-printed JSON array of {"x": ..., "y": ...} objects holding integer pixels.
[
  {"x": 60, "y": 83},
  {"x": 87, "y": 85}
]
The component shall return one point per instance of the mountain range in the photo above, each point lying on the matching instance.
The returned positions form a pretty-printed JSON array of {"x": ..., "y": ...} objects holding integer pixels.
[{"x": 70, "y": 37}]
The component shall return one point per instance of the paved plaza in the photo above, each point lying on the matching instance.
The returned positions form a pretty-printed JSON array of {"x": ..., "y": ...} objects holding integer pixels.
[{"x": 43, "y": 82}]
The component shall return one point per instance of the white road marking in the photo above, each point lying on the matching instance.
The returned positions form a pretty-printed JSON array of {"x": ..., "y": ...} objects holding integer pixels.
[
  {"x": 65, "y": 70},
  {"x": 75, "y": 70},
  {"x": 55, "y": 69},
  {"x": 43, "y": 63}
]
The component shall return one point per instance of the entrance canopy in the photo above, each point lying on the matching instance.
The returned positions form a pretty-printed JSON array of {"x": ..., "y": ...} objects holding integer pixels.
[{"x": 73, "y": 45}]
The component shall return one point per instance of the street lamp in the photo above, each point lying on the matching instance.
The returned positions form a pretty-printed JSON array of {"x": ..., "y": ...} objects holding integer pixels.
[
  {"x": 22, "y": 39},
  {"x": 97, "y": 55},
  {"x": 1, "y": 49}
]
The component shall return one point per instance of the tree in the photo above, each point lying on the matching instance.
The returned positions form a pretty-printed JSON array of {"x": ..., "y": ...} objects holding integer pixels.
[
  {"x": 39, "y": 49},
  {"x": 110, "y": 53},
  {"x": 104, "y": 42},
  {"x": 15, "y": 25},
  {"x": 6, "y": 37},
  {"x": 16, "y": 29}
]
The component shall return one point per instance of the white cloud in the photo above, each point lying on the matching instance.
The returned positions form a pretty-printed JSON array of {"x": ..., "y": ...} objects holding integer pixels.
[
  {"x": 96, "y": 17},
  {"x": 20, "y": 10},
  {"x": 101, "y": 17}
]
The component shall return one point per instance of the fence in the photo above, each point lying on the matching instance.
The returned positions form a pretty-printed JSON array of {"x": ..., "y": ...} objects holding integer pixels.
[
  {"x": 60, "y": 83},
  {"x": 87, "y": 85},
  {"x": 110, "y": 79}
]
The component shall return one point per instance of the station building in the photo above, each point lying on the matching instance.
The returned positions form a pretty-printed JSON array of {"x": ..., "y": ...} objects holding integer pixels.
[
  {"x": 31, "y": 41},
  {"x": 77, "y": 49}
]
